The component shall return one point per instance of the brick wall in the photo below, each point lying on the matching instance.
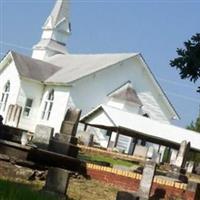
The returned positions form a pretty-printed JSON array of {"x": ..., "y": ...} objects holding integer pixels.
[{"x": 130, "y": 181}]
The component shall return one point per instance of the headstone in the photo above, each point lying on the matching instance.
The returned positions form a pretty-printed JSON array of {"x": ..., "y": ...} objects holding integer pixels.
[
  {"x": 140, "y": 151},
  {"x": 63, "y": 148},
  {"x": 156, "y": 157},
  {"x": 66, "y": 138},
  {"x": 150, "y": 152},
  {"x": 132, "y": 146},
  {"x": 42, "y": 135},
  {"x": 190, "y": 166},
  {"x": 57, "y": 182},
  {"x": 173, "y": 156},
  {"x": 182, "y": 154},
  {"x": 24, "y": 138},
  {"x": 70, "y": 122},
  {"x": 91, "y": 140},
  {"x": 121, "y": 195},
  {"x": 147, "y": 180},
  {"x": 178, "y": 167},
  {"x": 197, "y": 169}
]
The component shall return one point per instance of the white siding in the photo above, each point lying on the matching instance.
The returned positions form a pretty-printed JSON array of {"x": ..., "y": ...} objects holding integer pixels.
[
  {"x": 9, "y": 73},
  {"x": 61, "y": 96},
  {"x": 89, "y": 92},
  {"x": 32, "y": 90}
]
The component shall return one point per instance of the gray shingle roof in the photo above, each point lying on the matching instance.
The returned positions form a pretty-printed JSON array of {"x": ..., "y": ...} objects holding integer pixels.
[
  {"x": 77, "y": 66},
  {"x": 33, "y": 68},
  {"x": 65, "y": 68}
]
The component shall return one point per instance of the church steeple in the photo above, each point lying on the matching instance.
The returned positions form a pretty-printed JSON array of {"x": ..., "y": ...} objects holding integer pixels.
[{"x": 56, "y": 29}]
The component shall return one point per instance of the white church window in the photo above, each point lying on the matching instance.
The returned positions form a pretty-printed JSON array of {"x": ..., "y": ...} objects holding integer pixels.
[
  {"x": 48, "y": 104},
  {"x": 28, "y": 106},
  {"x": 4, "y": 96}
]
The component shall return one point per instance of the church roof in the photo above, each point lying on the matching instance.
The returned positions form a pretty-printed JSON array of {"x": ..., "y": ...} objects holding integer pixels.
[
  {"x": 64, "y": 69},
  {"x": 127, "y": 93},
  {"x": 32, "y": 68},
  {"x": 75, "y": 66}
]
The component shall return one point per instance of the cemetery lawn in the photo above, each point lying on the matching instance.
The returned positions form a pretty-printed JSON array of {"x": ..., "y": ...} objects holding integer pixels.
[
  {"x": 19, "y": 191},
  {"x": 79, "y": 189},
  {"x": 92, "y": 157},
  {"x": 82, "y": 189}
]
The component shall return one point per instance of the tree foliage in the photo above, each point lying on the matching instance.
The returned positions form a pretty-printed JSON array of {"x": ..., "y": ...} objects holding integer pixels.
[
  {"x": 188, "y": 60},
  {"x": 195, "y": 126}
]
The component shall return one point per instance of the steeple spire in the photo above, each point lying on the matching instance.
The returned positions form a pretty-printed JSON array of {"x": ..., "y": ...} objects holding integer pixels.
[{"x": 55, "y": 32}]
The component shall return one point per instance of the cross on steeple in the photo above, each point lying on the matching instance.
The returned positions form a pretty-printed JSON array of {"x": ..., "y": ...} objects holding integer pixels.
[{"x": 55, "y": 32}]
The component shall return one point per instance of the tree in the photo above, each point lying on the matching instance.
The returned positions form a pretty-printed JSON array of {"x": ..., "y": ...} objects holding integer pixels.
[
  {"x": 195, "y": 126},
  {"x": 188, "y": 60}
]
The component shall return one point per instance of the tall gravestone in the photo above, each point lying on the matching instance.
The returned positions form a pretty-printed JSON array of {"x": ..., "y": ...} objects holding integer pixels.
[
  {"x": 70, "y": 122},
  {"x": 178, "y": 165},
  {"x": 182, "y": 154},
  {"x": 147, "y": 180},
  {"x": 145, "y": 186},
  {"x": 65, "y": 142},
  {"x": 57, "y": 182}
]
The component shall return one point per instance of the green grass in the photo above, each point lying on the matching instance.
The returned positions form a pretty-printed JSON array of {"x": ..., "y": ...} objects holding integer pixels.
[
  {"x": 17, "y": 191},
  {"x": 102, "y": 158}
]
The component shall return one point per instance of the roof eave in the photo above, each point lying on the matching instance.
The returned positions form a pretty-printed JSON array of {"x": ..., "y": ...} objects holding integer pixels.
[
  {"x": 58, "y": 83},
  {"x": 174, "y": 114},
  {"x": 6, "y": 60}
]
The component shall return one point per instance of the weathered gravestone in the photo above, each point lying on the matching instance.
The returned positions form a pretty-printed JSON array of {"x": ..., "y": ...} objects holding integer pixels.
[
  {"x": 70, "y": 123},
  {"x": 197, "y": 169},
  {"x": 147, "y": 180},
  {"x": 65, "y": 142},
  {"x": 62, "y": 143},
  {"x": 140, "y": 151},
  {"x": 189, "y": 166},
  {"x": 145, "y": 186},
  {"x": 57, "y": 182},
  {"x": 42, "y": 136},
  {"x": 90, "y": 140},
  {"x": 121, "y": 195},
  {"x": 177, "y": 168},
  {"x": 182, "y": 154}
]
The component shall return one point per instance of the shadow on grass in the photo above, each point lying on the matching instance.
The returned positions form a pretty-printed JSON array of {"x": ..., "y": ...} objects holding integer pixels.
[{"x": 19, "y": 191}]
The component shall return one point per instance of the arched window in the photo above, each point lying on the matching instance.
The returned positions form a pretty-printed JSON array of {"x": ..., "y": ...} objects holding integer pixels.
[
  {"x": 4, "y": 96},
  {"x": 48, "y": 104}
]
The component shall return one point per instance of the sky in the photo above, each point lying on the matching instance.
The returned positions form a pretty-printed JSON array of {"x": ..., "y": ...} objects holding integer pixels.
[{"x": 154, "y": 28}]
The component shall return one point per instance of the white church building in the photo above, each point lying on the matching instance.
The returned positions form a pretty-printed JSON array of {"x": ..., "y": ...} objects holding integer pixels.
[{"x": 45, "y": 85}]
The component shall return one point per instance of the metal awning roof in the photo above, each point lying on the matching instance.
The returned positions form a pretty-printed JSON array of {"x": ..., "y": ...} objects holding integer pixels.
[{"x": 138, "y": 126}]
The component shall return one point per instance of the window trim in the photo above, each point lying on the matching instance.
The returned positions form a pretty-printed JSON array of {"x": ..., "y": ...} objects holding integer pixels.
[
  {"x": 28, "y": 107},
  {"x": 48, "y": 105},
  {"x": 4, "y": 96}
]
